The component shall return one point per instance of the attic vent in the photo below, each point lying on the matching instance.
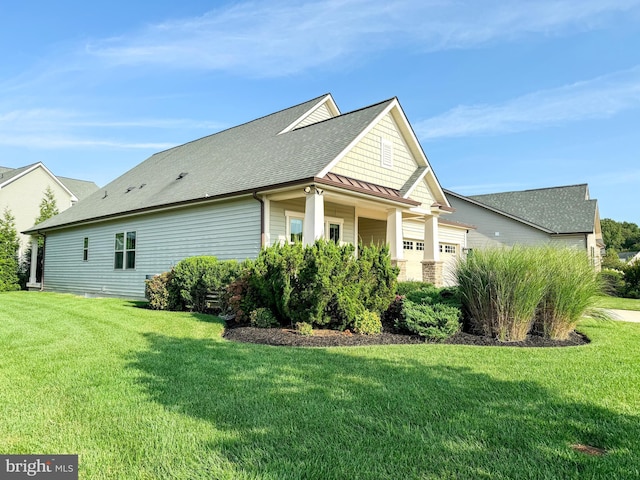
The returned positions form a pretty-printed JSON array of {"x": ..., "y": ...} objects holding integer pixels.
[
  {"x": 182, "y": 175},
  {"x": 142, "y": 185},
  {"x": 105, "y": 194},
  {"x": 386, "y": 153},
  {"x": 129, "y": 189}
]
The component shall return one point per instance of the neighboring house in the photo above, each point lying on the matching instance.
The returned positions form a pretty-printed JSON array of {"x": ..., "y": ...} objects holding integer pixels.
[
  {"x": 300, "y": 174},
  {"x": 561, "y": 215},
  {"x": 22, "y": 190},
  {"x": 629, "y": 257}
]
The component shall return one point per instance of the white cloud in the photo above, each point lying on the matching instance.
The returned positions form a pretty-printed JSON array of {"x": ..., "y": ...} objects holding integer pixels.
[
  {"x": 602, "y": 97},
  {"x": 51, "y": 128},
  {"x": 285, "y": 37}
]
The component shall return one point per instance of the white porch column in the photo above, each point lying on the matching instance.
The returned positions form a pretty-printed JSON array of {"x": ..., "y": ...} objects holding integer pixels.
[
  {"x": 313, "y": 216},
  {"x": 33, "y": 280},
  {"x": 394, "y": 234},
  {"x": 431, "y": 240}
]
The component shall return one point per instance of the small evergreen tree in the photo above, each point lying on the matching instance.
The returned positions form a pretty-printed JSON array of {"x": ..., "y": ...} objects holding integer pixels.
[
  {"x": 9, "y": 245},
  {"x": 48, "y": 208}
]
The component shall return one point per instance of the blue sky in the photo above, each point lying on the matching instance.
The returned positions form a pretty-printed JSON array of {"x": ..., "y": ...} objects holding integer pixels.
[{"x": 503, "y": 95}]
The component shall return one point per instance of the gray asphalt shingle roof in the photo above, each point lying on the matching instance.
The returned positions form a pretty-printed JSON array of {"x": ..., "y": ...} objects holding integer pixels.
[
  {"x": 565, "y": 209},
  {"x": 249, "y": 157}
]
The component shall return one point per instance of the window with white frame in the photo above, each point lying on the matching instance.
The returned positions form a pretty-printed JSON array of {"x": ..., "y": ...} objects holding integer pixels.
[
  {"x": 294, "y": 226},
  {"x": 125, "y": 251},
  {"x": 407, "y": 244},
  {"x": 333, "y": 228},
  {"x": 448, "y": 248}
]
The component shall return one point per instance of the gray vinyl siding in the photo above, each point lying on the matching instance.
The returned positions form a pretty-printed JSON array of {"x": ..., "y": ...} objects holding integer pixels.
[
  {"x": 228, "y": 230},
  {"x": 493, "y": 229}
]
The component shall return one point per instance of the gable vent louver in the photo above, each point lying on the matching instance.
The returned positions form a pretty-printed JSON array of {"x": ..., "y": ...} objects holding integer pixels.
[{"x": 386, "y": 153}]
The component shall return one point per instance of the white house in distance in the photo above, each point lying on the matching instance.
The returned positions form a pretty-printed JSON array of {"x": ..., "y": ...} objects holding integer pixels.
[
  {"x": 300, "y": 174},
  {"x": 22, "y": 190}
]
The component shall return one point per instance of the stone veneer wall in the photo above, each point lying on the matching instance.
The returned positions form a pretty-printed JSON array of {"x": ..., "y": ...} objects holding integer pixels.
[{"x": 432, "y": 272}]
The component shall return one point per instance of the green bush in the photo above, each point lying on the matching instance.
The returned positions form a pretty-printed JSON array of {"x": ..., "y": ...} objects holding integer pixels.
[
  {"x": 368, "y": 323},
  {"x": 323, "y": 284},
  {"x": 433, "y": 322},
  {"x": 632, "y": 280},
  {"x": 304, "y": 328},
  {"x": 612, "y": 282},
  {"x": 426, "y": 293},
  {"x": 9, "y": 280},
  {"x": 195, "y": 277},
  {"x": 263, "y": 318},
  {"x": 156, "y": 291},
  {"x": 407, "y": 287}
]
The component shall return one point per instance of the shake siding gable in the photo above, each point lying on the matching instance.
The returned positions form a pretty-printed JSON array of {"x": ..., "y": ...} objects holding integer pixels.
[
  {"x": 319, "y": 114},
  {"x": 363, "y": 161},
  {"x": 228, "y": 230},
  {"x": 422, "y": 194}
]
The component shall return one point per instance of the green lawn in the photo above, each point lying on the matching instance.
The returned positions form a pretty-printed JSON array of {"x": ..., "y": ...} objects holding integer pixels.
[
  {"x": 140, "y": 394},
  {"x": 618, "y": 303}
]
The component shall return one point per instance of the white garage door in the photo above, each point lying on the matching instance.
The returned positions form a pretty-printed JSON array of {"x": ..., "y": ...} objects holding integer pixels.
[
  {"x": 414, "y": 254},
  {"x": 449, "y": 253}
]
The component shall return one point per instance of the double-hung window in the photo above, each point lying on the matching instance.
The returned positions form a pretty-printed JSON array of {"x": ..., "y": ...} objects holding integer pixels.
[
  {"x": 333, "y": 229},
  {"x": 85, "y": 249},
  {"x": 125, "y": 251},
  {"x": 295, "y": 222}
]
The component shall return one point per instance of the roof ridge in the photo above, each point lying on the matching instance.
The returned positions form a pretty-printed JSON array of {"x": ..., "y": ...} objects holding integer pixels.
[{"x": 530, "y": 190}]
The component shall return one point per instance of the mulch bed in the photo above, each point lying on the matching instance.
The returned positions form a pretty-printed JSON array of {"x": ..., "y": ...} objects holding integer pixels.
[{"x": 334, "y": 338}]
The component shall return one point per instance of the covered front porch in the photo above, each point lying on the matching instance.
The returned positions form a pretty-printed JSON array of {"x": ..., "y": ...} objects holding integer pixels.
[{"x": 321, "y": 210}]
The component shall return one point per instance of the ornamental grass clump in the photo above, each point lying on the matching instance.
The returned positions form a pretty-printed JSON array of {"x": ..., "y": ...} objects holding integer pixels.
[
  {"x": 572, "y": 286},
  {"x": 501, "y": 289}
]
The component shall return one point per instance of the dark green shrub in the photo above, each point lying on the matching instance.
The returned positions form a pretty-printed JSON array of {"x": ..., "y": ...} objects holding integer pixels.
[
  {"x": 612, "y": 282},
  {"x": 195, "y": 277},
  {"x": 632, "y": 280},
  {"x": 263, "y": 318},
  {"x": 367, "y": 323},
  {"x": 405, "y": 288},
  {"x": 322, "y": 284},
  {"x": 156, "y": 291},
  {"x": 304, "y": 328},
  {"x": 433, "y": 322},
  {"x": 393, "y": 314}
]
